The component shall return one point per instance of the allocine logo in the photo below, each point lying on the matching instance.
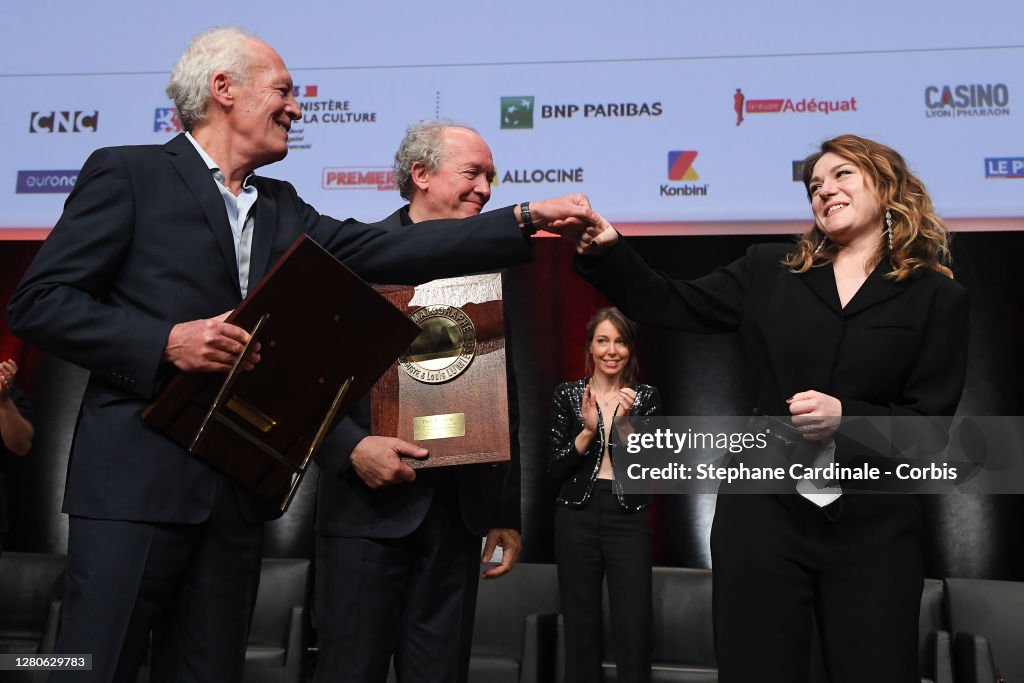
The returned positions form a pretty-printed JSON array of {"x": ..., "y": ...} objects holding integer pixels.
[
  {"x": 680, "y": 168},
  {"x": 63, "y": 121},
  {"x": 379, "y": 178},
  {"x": 970, "y": 100},
  {"x": 741, "y": 105},
  {"x": 1004, "y": 167},
  {"x": 166, "y": 120},
  {"x": 517, "y": 112},
  {"x": 533, "y": 176},
  {"x": 45, "y": 182}
]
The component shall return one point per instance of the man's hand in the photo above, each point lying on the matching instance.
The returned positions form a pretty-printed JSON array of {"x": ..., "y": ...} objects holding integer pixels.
[
  {"x": 510, "y": 544},
  {"x": 8, "y": 371},
  {"x": 815, "y": 414},
  {"x": 376, "y": 460},
  {"x": 597, "y": 238},
  {"x": 567, "y": 215},
  {"x": 209, "y": 345}
]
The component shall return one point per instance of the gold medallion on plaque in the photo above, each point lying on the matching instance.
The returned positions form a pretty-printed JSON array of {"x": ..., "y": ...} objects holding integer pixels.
[{"x": 444, "y": 349}]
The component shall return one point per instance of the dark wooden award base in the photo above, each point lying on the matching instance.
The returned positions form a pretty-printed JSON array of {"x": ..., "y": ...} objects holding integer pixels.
[
  {"x": 325, "y": 325},
  {"x": 479, "y": 393}
]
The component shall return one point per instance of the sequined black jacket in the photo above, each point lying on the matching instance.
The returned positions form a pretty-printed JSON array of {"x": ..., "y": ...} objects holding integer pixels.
[{"x": 575, "y": 472}]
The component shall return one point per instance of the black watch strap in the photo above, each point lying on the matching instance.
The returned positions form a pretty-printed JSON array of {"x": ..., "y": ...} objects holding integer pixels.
[{"x": 528, "y": 227}]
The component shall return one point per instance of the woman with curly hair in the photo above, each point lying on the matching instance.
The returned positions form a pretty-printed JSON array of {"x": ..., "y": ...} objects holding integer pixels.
[{"x": 861, "y": 318}]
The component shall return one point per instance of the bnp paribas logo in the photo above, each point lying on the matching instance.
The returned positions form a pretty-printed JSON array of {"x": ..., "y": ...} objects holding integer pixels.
[{"x": 517, "y": 112}]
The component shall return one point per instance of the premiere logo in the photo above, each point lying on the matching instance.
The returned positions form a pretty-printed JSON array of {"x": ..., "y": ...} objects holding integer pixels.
[
  {"x": 380, "y": 178},
  {"x": 63, "y": 121}
]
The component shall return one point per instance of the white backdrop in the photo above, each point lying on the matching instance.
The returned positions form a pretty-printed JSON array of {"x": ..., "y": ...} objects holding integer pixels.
[{"x": 632, "y": 103}]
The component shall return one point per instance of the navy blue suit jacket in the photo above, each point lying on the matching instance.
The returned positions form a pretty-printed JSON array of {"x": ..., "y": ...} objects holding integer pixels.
[{"x": 488, "y": 494}]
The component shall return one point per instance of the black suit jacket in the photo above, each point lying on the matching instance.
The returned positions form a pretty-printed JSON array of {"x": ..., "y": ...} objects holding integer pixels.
[
  {"x": 489, "y": 495},
  {"x": 897, "y": 348},
  {"x": 144, "y": 243}
]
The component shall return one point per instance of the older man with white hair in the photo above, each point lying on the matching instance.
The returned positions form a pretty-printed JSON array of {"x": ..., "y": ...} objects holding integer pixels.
[{"x": 155, "y": 245}]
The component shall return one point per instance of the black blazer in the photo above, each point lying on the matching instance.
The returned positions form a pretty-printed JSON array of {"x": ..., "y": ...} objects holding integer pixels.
[
  {"x": 575, "y": 472},
  {"x": 489, "y": 495},
  {"x": 143, "y": 244},
  {"x": 897, "y": 348}
]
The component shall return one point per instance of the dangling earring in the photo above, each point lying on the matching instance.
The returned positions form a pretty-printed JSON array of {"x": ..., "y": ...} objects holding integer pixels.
[
  {"x": 821, "y": 244},
  {"x": 888, "y": 227}
]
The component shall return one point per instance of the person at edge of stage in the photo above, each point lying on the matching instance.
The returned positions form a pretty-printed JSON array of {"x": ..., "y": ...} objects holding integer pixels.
[{"x": 861, "y": 317}]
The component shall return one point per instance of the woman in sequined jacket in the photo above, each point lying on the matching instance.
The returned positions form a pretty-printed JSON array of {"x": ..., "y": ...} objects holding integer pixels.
[{"x": 599, "y": 529}]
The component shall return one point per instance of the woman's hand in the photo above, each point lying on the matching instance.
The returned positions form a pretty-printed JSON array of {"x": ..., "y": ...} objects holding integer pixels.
[
  {"x": 8, "y": 371},
  {"x": 589, "y": 411},
  {"x": 815, "y": 414},
  {"x": 627, "y": 397}
]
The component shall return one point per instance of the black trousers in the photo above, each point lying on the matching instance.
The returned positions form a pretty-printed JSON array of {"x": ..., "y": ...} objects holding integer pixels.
[
  {"x": 778, "y": 558},
  {"x": 413, "y": 598},
  {"x": 193, "y": 584},
  {"x": 602, "y": 539}
]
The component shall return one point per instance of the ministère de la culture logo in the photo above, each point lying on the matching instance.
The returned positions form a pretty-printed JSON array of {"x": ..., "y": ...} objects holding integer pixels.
[
  {"x": 681, "y": 169},
  {"x": 966, "y": 100},
  {"x": 519, "y": 113},
  {"x": 319, "y": 111}
]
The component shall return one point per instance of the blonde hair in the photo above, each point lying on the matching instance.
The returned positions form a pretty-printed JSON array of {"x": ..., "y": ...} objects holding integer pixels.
[{"x": 920, "y": 240}]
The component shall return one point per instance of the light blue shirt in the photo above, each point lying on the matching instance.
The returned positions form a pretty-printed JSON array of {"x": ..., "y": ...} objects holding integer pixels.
[{"x": 242, "y": 205}]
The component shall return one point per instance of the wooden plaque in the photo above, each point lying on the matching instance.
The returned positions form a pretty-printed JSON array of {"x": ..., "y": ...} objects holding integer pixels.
[
  {"x": 457, "y": 409},
  {"x": 325, "y": 337}
]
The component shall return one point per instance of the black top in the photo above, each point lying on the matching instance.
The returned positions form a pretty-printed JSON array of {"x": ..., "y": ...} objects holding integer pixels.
[{"x": 575, "y": 472}]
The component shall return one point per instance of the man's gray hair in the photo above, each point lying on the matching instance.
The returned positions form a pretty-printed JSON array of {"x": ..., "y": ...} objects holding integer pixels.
[
  {"x": 224, "y": 49},
  {"x": 423, "y": 142}
]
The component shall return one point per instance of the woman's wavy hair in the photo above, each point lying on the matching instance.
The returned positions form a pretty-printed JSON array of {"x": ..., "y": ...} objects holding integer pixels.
[
  {"x": 628, "y": 331},
  {"x": 920, "y": 240}
]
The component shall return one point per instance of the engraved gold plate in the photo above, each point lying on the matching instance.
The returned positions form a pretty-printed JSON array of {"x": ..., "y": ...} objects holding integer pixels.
[
  {"x": 438, "y": 426},
  {"x": 444, "y": 349},
  {"x": 251, "y": 414}
]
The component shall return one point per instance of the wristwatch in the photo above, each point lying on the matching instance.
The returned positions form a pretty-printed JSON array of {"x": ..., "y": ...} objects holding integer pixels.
[{"x": 528, "y": 227}]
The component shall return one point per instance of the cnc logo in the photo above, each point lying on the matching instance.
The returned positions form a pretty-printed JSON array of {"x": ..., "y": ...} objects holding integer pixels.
[
  {"x": 517, "y": 112},
  {"x": 63, "y": 121},
  {"x": 741, "y": 105},
  {"x": 380, "y": 178},
  {"x": 165, "y": 120},
  {"x": 45, "y": 182},
  {"x": 1004, "y": 167},
  {"x": 966, "y": 100},
  {"x": 680, "y": 169}
]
